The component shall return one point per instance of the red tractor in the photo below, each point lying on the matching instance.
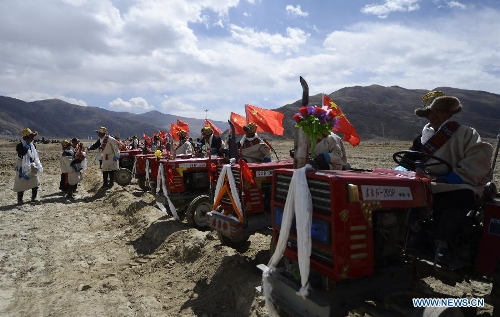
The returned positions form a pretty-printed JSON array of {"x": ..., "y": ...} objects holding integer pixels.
[
  {"x": 242, "y": 203},
  {"x": 139, "y": 170},
  {"x": 370, "y": 233},
  {"x": 187, "y": 183},
  {"x": 127, "y": 160},
  {"x": 360, "y": 235}
]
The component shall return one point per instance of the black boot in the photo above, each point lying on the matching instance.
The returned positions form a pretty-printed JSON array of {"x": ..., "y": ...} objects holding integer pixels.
[
  {"x": 34, "y": 193},
  {"x": 20, "y": 198},
  {"x": 71, "y": 191},
  {"x": 105, "y": 179},
  {"x": 111, "y": 179}
]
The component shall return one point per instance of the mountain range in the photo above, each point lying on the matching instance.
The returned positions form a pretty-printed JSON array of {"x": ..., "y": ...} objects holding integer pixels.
[{"x": 375, "y": 111}]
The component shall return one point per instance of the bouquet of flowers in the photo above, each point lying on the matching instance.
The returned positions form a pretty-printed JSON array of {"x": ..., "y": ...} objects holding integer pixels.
[{"x": 315, "y": 121}]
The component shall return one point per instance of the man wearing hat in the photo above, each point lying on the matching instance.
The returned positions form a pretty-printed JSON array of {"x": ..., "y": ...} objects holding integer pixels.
[
  {"x": 253, "y": 149},
  {"x": 134, "y": 144},
  {"x": 456, "y": 192},
  {"x": 121, "y": 144},
  {"x": 109, "y": 150},
  {"x": 28, "y": 166},
  {"x": 184, "y": 146},
  {"x": 210, "y": 140}
]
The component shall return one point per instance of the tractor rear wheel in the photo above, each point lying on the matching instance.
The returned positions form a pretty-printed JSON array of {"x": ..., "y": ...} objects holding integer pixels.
[
  {"x": 196, "y": 214},
  {"x": 233, "y": 242},
  {"x": 123, "y": 176}
]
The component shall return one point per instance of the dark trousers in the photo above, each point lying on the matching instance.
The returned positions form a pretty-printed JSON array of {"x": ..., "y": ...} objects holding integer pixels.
[
  {"x": 34, "y": 192},
  {"x": 108, "y": 178},
  {"x": 63, "y": 184},
  {"x": 450, "y": 210}
]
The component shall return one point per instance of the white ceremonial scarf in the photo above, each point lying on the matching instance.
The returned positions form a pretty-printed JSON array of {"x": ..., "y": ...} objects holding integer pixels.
[
  {"x": 244, "y": 138},
  {"x": 30, "y": 158},
  {"x": 428, "y": 132}
]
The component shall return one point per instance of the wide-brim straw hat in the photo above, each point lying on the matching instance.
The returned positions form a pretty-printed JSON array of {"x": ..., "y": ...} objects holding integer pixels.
[
  {"x": 181, "y": 133},
  {"x": 207, "y": 130},
  {"x": 251, "y": 127},
  {"x": 102, "y": 130},
  {"x": 65, "y": 143},
  {"x": 27, "y": 132}
]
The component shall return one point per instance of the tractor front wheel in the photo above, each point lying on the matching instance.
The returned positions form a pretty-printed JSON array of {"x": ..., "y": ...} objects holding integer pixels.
[{"x": 196, "y": 214}]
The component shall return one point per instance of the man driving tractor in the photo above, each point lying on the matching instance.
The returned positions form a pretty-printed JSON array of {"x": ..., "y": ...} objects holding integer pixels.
[{"x": 456, "y": 188}]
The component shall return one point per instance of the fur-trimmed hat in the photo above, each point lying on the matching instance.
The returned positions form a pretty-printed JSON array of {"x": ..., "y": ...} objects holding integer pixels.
[
  {"x": 207, "y": 130},
  {"x": 438, "y": 101},
  {"x": 102, "y": 130},
  {"x": 75, "y": 140},
  {"x": 27, "y": 132},
  {"x": 251, "y": 127}
]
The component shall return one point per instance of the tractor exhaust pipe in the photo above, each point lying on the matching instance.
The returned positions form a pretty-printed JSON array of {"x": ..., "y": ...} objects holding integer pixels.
[
  {"x": 301, "y": 142},
  {"x": 496, "y": 154}
]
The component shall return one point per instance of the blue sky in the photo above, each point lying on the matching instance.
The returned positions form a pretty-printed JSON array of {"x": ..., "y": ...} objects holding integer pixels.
[{"x": 182, "y": 57}]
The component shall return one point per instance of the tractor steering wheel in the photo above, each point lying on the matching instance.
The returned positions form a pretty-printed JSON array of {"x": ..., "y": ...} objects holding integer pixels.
[{"x": 417, "y": 161}]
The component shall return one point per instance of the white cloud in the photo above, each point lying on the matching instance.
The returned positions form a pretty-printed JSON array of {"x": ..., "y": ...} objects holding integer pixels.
[
  {"x": 176, "y": 106},
  {"x": 276, "y": 43},
  {"x": 137, "y": 103},
  {"x": 442, "y": 53},
  {"x": 34, "y": 96},
  {"x": 155, "y": 48},
  {"x": 383, "y": 10},
  {"x": 295, "y": 11},
  {"x": 456, "y": 4}
]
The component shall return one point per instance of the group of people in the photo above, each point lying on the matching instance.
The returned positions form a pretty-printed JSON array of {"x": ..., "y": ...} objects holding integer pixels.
[{"x": 455, "y": 192}]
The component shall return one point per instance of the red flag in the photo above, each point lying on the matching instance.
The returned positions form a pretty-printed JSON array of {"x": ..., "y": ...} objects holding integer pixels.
[
  {"x": 163, "y": 137},
  {"x": 239, "y": 122},
  {"x": 343, "y": 125},
  {"x": 174, "y": 128},
  {"x": 147, "y": 140},
  {"x": 246, "y": 173},
  {"x": 183, "y": 125},
  {"x": 216, "y": 130},
  {"x": 266, "y": 120}
]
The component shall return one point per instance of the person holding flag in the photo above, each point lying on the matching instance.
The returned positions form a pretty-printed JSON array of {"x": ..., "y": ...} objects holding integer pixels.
[{"x": 253, "y": 148}]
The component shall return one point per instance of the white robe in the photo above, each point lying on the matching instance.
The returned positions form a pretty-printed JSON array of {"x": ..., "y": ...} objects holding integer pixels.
[{"x": 333, "y": 145}]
